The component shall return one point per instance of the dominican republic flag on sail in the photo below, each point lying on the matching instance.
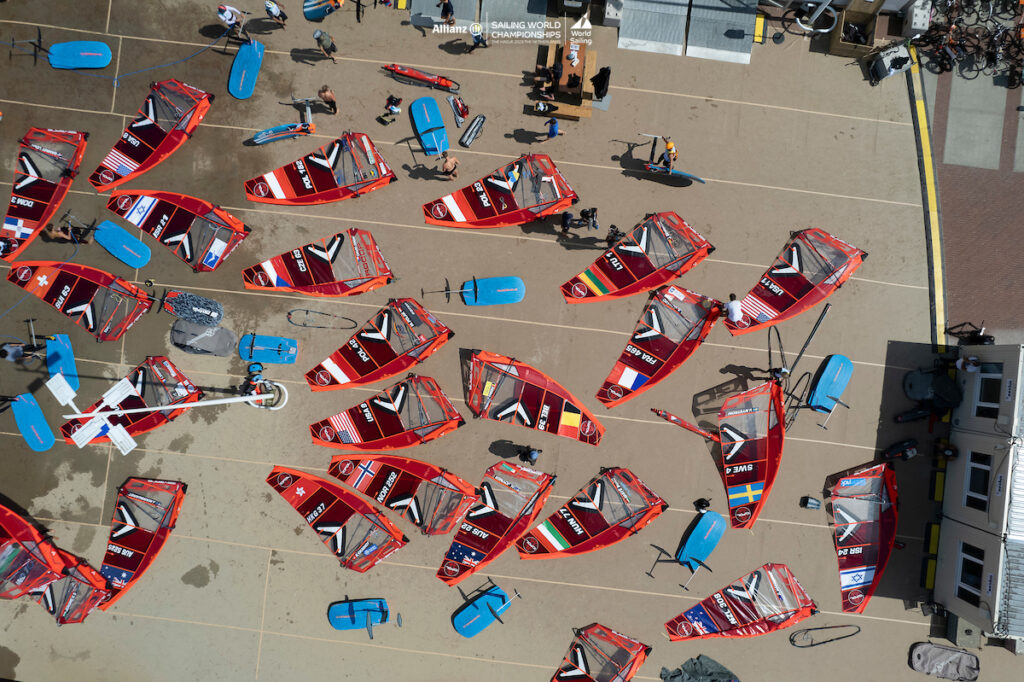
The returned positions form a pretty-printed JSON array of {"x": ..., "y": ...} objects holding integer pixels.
[
  {"x": 17, "y": 227},
  {"x": 856, "y": 577},
  {"x": 627, "y": 377},
  {"x": 757, "y": 309},
  {"x": 119, "y": 163}
]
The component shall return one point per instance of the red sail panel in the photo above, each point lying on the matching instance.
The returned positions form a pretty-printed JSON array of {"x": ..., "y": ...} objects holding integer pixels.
[
  {"x": 344, "y": 264},
  {"x": 144, "y": 516},
  {"x": 428, "y": 496},
  {"x": 28, "y": 560},
  {"x": 197, "y": 232},
  {"x": 402, "y": 334},
  {"x": 502, "y": 389},
  {"x": 511, "y": 497},
  {"x": 862, "y": 511},
  {"x": 356, "y": 532},
  {"x": 411, "y": 412},
  {"x": 103, "y": 304},
  {"x": 655, "y": 252},
  {"x": 599, "y": 654},
  {"x": 346, "y": 167},
  {"x": 47, "y": 163},
  {"x": 673, "y": 325},
  {"x": 766, "y": 599},
  {"x": 167, "y": 118},
  {"x": 79, "y": 592},
  {"x": 612, "y": 506},
  {"x": 752, "y": 432},
  {"x": 529, "y": 188},
  {"x": 812, "y": 266},
  {"x": 155, "y": 382}
]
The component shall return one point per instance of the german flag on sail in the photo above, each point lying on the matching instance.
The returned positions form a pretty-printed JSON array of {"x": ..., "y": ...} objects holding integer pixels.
[
  {"x": 595, "y": 281},
  {"x": 569, "y": 421}
]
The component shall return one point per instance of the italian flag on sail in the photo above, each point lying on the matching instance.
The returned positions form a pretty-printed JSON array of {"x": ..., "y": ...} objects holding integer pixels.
[{"x": 552, "y": 538}]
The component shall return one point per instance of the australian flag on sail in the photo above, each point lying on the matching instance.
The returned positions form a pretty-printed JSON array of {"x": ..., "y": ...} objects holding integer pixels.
[
  {"x": 856, "y": 577},
  {"x": 464, "y": 555},
  {"x": 701, "y": 620},
  {"x": 118, "y": 577}
]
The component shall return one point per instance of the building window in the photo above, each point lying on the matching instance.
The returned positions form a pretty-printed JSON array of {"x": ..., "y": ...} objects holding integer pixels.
[
  {"x": 990, "y": 382},
  {"x": 976, "y": 481},
  {"x": 972, "y": 562}
]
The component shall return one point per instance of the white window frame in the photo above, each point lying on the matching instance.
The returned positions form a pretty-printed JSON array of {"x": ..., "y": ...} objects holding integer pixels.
[
  {"x": 968, "y": 493},
  {"x": 961, "y": 559},
  {"x": 982, "y": 376}
]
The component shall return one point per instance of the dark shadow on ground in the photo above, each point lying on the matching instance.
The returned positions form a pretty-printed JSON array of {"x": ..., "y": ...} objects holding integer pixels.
[
  {"x": 422, "y": 172},
  {"x": 505, "y": 449},
  {"x": 307, "y": 56},
  {"x": 455, "y": 46},
  {"x": 422, "y": 30},
  {"x": 524, "y": 136},
  {"x": 575, "y": 242}
]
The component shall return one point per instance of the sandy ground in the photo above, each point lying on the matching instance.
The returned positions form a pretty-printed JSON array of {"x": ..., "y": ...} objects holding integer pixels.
[{"x": 795, "y": 140}]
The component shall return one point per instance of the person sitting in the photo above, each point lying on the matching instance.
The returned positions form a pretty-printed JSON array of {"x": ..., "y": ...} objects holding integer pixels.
[
  {"x": 65, "y": 234},
  {"x": 669, "y": 156}
]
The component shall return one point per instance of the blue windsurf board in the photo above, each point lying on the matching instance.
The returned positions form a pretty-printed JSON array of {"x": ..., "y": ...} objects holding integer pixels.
[
  {"x": 702, "y": 540},
  {"x": 429, "y": 126},
  {"x": 122, "y": 244},
  {"x": 60, "y": 359},
  {"x": 245, "y": 69},
  {"x": 480, "y": 612},
  {"x": 282, "y": 132},
  {"x": 79, "y": 54},
  {"x": 658, "y": 168},
  {"x": 316, "y": 10},
  {"x": 355, "y": 614},
  {"x": 831, "y": 382},
  {"x": 32, "y": 424},
  {"x": 274, "y": 350},
  {"x": 493, "y": 291}
]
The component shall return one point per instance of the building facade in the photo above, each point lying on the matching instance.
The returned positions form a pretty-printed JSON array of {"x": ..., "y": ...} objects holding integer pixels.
[{"x": 979, "y": 573}]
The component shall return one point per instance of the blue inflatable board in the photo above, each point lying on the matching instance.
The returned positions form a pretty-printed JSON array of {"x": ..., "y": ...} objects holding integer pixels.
[
  {"x": 429, "y": 126},
  {"x": 281, "y": 132},
  {"x": 122, "y": 244},
  {"x": 701, "y": 542},
  {"x": 830, "y": 384},
  {"x": 79, "y": 54},
  {"x": 316, "y": 10},
  {"x": 274, "y": 350},
  {"x": 356, "y": 614},
  {"x": 245, "y": 69},
  {"x": 480, "y": 612},
  {"x": 60, "y": 359},
  {"x": 32, "y": 424},
  {"x": 657, "y": 168},
  {"x": 493, "y": 291}
]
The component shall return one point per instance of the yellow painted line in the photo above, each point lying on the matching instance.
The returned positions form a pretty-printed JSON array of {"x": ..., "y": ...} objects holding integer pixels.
[{"x": 931, "y": 197}]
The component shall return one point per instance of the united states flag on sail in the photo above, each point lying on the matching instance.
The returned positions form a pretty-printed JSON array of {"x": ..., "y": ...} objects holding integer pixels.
[
  {"x": 119, "y": 163},
  {"x": 757, "y": 309},
  {"x": 345, "y": 428}
]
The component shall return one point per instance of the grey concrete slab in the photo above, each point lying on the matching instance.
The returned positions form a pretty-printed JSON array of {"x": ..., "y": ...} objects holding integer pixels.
[
  {"x": 722, "y": 31},
  {"x": 974, "y": 124},
  {"x": 1018, "y": 150}
]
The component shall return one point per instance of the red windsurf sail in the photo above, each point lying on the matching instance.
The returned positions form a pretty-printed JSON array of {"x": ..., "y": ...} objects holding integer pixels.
[
  {"x": 599, "y": 654},
  {"x": 655, "y": 252},
  {"x": 155, "y": 382},
  {"x": 751, "y": 431},
  {"x": 511, "y": 497},
  {"x": 764, "y": 600},
  {"x": 672, "y": 326},
  {"x": 48, "y": 162},
  {"x": 344, "y": 264},
  {"x": 430, "y": 497},
  {"x": 502, "y": 389},
  {"x": 196, "y": 231},
  {"x": 103, "y": 304},
  {"x": 612, "y": 506},
  {"x": 863, "y": 513},
  {"x": 526, "y": 189},
  {"x": 347, "y": 167},
  {"x": 356, "y": 532},
  {"x": 171, "y": 113},
  {"x": 812, "y": 265},
  {"x": 79, "y": 592},
  {"x": 411, "y": 412},
  {"x": 28, "y": 561},
  {"x": 402, "y": 334},
  {"x": 144, "y": 515}
]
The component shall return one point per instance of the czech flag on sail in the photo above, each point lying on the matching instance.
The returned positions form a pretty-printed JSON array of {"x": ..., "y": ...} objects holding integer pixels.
[
  {"x": 747, "y": 493},
  {"x": 278, "y": 281}
]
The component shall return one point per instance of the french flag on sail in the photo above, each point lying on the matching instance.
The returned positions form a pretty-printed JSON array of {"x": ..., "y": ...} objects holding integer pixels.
[
  {"x": 17, "y": 227},
  {"x": 627, "y": 377}
]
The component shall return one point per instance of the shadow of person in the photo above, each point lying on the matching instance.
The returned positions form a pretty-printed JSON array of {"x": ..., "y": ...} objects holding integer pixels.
[
  {"x": 574, "y": 242},
  {"x": 505, "y": 449},
  {"x": 212, "y": 31},
  {"x": 422, "y": 172},
  {"x": 747, "y": 374},
  {"x": 261, "y": 26},
  {"x": 455, "y": 46},
  {"x": 305, "y": 55},
  {"x": 423, "y": 31},
  {"x": 524, "y": 136}
]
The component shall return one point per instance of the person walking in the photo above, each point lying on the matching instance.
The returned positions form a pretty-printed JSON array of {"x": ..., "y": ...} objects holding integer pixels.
[
  {"x": 478, "y": 37},
  {"x": 553, "y": 130},
  {"x": 326, "y": 96},
  {"x": 276, "y": 12},
  {"x": 450, "y": 166},
  {"x": 447, "y": 12},
  {"x": 233, "y": 19},
  {"x": 614, "y": 235},
  {"x": 325, "y": 43},
  {"x": 529, "y": 455}
]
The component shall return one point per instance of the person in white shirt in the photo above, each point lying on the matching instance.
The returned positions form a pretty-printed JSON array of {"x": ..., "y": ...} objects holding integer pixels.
[
  {"x": 233, "y": 19},
  {"x": 733, "y": 309},
  {"x": 275, "y": 12}
]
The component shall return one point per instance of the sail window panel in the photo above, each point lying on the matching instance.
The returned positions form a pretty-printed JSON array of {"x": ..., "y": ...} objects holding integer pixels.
[
  {"x": 661, "y": 246},
  {"x": 678, "y": 323},
  {"x": 605, "y": 661},
  {"x": 821, "y": 260},
  {"x": 18, "y": 566},
  {"x": 977, "y": 481},
  {"x": 439, "y": 504},
  {"x": 403, "y": 337}
]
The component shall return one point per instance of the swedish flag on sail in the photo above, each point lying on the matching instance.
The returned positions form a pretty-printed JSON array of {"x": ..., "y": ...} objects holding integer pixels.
[{"x": 745, "y": 494}]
